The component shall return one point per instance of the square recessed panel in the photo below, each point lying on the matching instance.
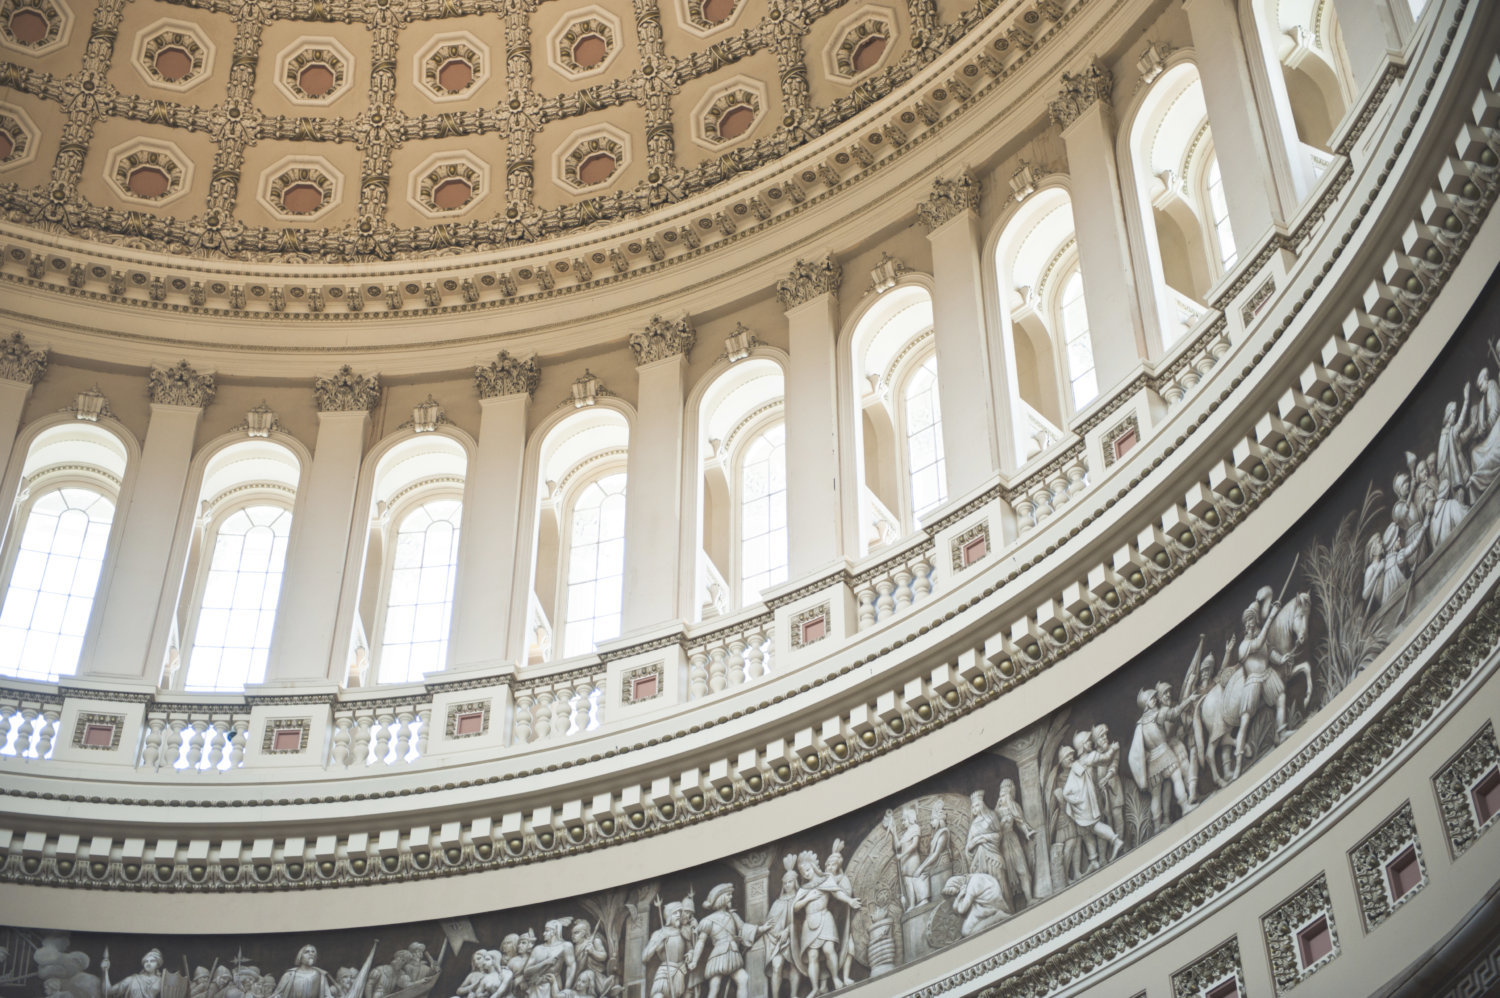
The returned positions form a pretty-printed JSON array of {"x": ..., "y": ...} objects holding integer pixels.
[
  {"x": 1388, "y": 867},
  {"x": 1486, "y": 794},
  {"x": 976, "y": 549},
  {"x": 644, "y": 687},
  {"x": 814, "y": 630},
  {"x": 1228, "y": 989},
  {"x": 470, "y": 723},
  {"x": 1314, "y": 941},
  {"x": 286, "y": 740},
  {"x": 1124, "y": 442},
  {"x": 98, "y": 735},
  {"x": 1404, "y": 873}
]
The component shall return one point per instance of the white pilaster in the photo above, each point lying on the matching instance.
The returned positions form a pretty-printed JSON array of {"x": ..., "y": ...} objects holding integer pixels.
[
  {"x": 1371, "y": 30},
  {"x": 1266, "y": 172},
  {"x": 653, "y": 495},
  {"x": 1117, "y": 323},
  {"x": 973, "y": 429},
  {"x": 131, "y": 593},
  {"x": 492, "y": 500},
  {"x": 814, "y": 525},
  {"x": 303, "y": 647},
  {"x": 13, "y": 396}
]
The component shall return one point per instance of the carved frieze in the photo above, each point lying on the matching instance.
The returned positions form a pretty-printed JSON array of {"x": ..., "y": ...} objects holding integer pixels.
[
  {"x": 808, "y": 280},
  {"x": 1293, "y": 959},
  {"x": 663, "y": 338},
  {"x": 19, "y": 361},
  {"x": 347, "y": 391},
  {"x": 1372, "y": 860},
  {"x": 1081, "y": 91},
  {"x": 1458, "y": 789},
  {"x": 950, "y": 198},
  {"x": 180, "y": 384},
  {"x": 507, "y": 375}
]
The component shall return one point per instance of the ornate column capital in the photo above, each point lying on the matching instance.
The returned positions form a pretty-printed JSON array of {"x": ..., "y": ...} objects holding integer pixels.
[
  {"x": 347, "y": 391},
  {"x": 949, "y": 199},
  {"x": 507, "y": 375},
  {"x": 19, "y": 362},
  {"x": 1080, "y": 91},
  {"x": 809, "y": 280},
  {"x": 663, "y": 338},
  {"x": 180, "y": 384}
]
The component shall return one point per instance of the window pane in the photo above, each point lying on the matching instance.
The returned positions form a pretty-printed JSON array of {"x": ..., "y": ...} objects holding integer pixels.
[
  {"x": 596, "y": 565},
  {"x": 419, "y": 602},
  {"x": 1079, "y": 346},
  {"x": 51, "y": 589},
  {"x": 763, "y": 551},
  {"x": 232, "y": 637},
  {"x": 924, "y": 440}
]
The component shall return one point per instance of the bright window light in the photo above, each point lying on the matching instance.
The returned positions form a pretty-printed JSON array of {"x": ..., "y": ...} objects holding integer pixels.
[
  {"x": 924, "y": 440},
  {"x": 232, "y": 637},
  {"x": 420, "y": 605},
  {"x": 596, "y": 565},
  {"x": 763, "y": 545}
]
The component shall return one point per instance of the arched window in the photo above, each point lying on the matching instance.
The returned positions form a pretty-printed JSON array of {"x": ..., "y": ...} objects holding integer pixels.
[
  {"x": 419, "y": 602},
  {"x": 1080, "y": 349},
  {"x": 56, "y": 545},
  {"x": 596, "y": 565},
  {"x": 763, "y": 537},
  {"x": 1218, "y": 209},
  {"x": 237, "y": 612},
  {"x": 924, "y": 440},
  {"x": 53, "y": 578}
]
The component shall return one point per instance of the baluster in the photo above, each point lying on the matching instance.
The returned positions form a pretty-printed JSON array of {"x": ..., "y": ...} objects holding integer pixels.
[
  {"x": 424, "y": 731},
  {"x": 718, "y": 668},
  {"x": 403, "y": 735},
  {"x": 216, "y": 744},
  {"x": 902, "y": 580},
  {"x": 562, "y": 711},
  {"x": 596, "y": 706},
  {"x": 1058, "y": 487},
  {"x": 195, "y": 744},
  {"x": 23, "y": 733},
  {"x": 47, "y": 733},
  {"x": 697, "y": 673},
  {"x": 583, "y": 694},
  {"x": 543, "y": 713},
  {"x": 151, "y": 750},
  {"x": 884, "y": 604},
  {"x": 172, "y": 754},
  {"x": 866, "y": 597},
  {"x": 341, "y": 739},
  {"x": 921, "y": 585},
  {"x": 363, "y": 732},
  {"x": 1042, "y": 499},
  {"x": 1173, "y": 393},
  {"x": 524, "y": 702},
  {"x": 737, "y": 660},
  {"x": 7, "y": 710},
  {"x": 1189, "y": 379},
  {"x": 237, "y": 744},
  {"x": 383, "y": 724},
  {"x": 755, "y": 653},
  {"x": 1078, "y": 478},
  {"x": 1025, "y": 513},
  {"x": 1203, "y": 363}
]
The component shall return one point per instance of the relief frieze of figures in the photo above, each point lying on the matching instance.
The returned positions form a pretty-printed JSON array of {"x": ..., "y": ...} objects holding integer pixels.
[{"x": 967, "y": 849}]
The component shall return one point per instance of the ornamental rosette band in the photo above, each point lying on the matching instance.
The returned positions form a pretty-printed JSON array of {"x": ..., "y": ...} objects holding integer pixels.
[
  {"x": 180, "y": 384},
  {"x": 20, "y": 362},
  {"x": 347, "y": 391},
  {"x": 663, "y": 338},
  {"x": 507, "y": 375},
  {"x": 1080, "y": 91},
  {"x": 809, "y": 280},
  {"x": 949, "y": 199}
]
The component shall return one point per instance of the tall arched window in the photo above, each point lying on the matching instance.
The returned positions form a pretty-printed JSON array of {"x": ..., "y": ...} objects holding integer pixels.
[
  {"x": 596, "y": 565},
  {"x": 50, "y": 594},
  {"x": 237, "y": 613},
  {"x": 763, "y": 538},
  {"x": 924, "y": 440},
  {"x": 1075, "y": 323},
  {"x": 419, "y": 603},
  {"x": 1218, "y": 208}
]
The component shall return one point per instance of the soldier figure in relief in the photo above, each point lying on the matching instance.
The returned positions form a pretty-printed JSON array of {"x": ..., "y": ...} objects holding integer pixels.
[
  {"x": 669, "y": 944},
  {"x": 727, "y": 936},
  {"x": 1155, "y": 761},
  {"x": 821, "y": 937},
  {"x": 1080, "y": 796},
  {"x": 145, "y": 984}
]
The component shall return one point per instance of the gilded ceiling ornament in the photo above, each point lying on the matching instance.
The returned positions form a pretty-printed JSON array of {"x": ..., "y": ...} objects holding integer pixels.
[
  {"x": 347, "y": 391},
  {"x": 949, "y": 199},
  {"x": 1080, "y": 91},
  {"x": 809, "y": 280},
  {"x": 663, "y": 338},
  {"x": 507, "y": 375},
  {"x": 19, "y": 362},
  {"x": 180, "y": 384}
]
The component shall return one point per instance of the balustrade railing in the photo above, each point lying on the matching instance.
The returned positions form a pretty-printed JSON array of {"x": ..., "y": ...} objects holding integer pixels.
[
  {"x": 558, "y": 706},
  {"x": 1041, "y": 493},
  {"x": 894, "y": 585},
  {"x": 28, "y": 725},
  {"x": 730, "y": 656},
  {"x": 388, "y": 732},
  {"x": 192, "y": 738}
]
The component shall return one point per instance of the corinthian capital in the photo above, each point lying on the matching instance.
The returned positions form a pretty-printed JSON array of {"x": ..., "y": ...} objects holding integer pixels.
[
  {"x": 180, "y": 384},
  {"x": 809, "y": 280},
  {"x": 949, "y": 199},
  {"x": 347, "y": 391},
  {"x": 19, "y": 362},
  {"x": 663, "y": 338},
  {"x": 507, "y": 375},
  {"x": 1080, "y": 91}
]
